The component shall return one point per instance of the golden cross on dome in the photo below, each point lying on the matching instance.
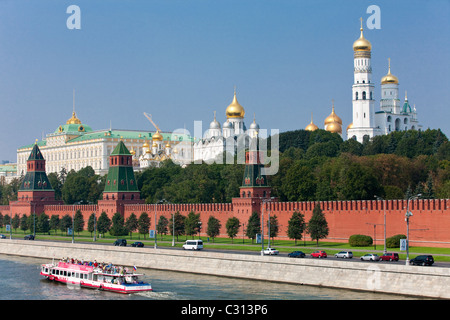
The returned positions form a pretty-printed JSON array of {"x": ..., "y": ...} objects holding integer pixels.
[{"x": 361, "y": 23}]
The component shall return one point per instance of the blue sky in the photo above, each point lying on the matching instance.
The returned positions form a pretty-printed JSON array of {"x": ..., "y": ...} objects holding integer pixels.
[{"x": 180, "y": 60}]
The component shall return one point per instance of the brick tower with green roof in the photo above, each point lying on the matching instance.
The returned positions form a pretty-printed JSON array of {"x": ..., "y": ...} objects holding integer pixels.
[
  {"x": 35, "y": 186},
  {"x": 121, "y": 185}
]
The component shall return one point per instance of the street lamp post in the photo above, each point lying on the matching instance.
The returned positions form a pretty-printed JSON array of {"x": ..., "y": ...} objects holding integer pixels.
[
  {"x": 173, "y": 228},
  {"x": 264, "y": 201},
  {"x": 384, "y": 214},
  {"x": 408, "y": 214},
  {"x": 156, "y": 245}
]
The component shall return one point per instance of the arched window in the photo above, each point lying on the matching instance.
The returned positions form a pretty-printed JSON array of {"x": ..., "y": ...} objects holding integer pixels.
[
  {"x": 364, "y": 95},
  {"x": 356, "y": 96}
]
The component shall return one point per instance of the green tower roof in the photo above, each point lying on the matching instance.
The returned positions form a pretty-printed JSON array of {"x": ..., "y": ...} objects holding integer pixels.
[
  {"x": 121, "y": 150},
  {"x": 35, "y": 153}
]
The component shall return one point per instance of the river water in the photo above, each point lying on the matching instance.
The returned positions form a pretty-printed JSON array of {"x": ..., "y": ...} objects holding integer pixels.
[{"x": 25, "y": 283}]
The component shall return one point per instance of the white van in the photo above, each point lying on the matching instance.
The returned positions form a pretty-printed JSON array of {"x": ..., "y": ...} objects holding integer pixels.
[{"x": 193, "y": 245}]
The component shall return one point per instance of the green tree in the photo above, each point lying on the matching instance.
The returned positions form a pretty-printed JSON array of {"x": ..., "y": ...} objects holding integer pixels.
[
  {"x": 54, "y": 222},
  {"x": 43, "y": 223},
  {"x": 118, "y": 225},
  {"x": 213, "y": 229},
  {"x": 232, "y": 227},
  {"x": 178, "y": 225},
  {"x": 162, "y": 226},
  {"x": 24, "y": 223},
  {"x": 143, "y": 223},
  {"x": 91, "y": 223},
  {"x": 317, "y": 225},
  {"x": 78, "y": 222},
  {"x": 65, "y": 223},
  {"x": 299, "y": 183},
  {"x": 273, "y": 226},
  {"x": 56, "y": 184},
  {"x": 103, "y": 223},
  {"x": 15, "y": 222},
  {"x": 253, "y": 226},
  {"x": 296, "y": 226},
  {"x": 131, "y": 224},
  {"x": 192, "y": 224}
]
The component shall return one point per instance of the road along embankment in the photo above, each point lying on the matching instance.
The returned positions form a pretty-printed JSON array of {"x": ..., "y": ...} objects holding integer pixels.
[{"x": 431, "y": 282}]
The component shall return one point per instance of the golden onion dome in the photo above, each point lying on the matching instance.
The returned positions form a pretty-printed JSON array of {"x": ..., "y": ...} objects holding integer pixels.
[
  {"x": 362, "y": 44},
  {"x": 311, "y": 126},
  {"x": 389, "y": 78},
  {"x": 333, "y": 117},
  {"x": 74, "y": 119},
  {"x": 167, "y": 145},
  {"x": 157, "y": 136},
  {"x": 154, "y": 145},
  {"x": 350, "y": 126},
  {"x": 145, "y": 145},
  {"x": 235, "y": 110},
  {"x": 334, "y": 127}
]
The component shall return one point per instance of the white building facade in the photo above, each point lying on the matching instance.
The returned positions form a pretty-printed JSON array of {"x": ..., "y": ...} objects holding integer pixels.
[{"x": 75, "y": 145}]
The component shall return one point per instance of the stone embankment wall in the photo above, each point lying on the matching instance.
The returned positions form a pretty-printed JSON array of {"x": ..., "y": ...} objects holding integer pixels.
[{"x": 374, "y": 277}]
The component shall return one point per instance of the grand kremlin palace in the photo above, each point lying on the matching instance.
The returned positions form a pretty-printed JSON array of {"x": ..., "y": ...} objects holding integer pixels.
[{"x": 74, "y": 145}]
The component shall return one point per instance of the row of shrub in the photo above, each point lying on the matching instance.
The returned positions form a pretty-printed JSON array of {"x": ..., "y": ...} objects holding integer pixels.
[{"x": 360, "y": 240}]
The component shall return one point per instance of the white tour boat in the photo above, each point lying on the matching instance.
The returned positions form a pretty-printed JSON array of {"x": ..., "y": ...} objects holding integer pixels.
[{"x": 110, "y": 279}]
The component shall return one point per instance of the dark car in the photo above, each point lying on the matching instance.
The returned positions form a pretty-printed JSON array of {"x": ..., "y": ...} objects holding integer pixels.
[
  {"x": 2, "y": 236},
  {"x": 389, "y": 256},
  {"x": 29, "y": 237},
  {"x": 120, "y": 242},
  {"x": 137, "y": 244},
  {"x": 296, "y": 254},
  {"x": 425, "y": 260}
]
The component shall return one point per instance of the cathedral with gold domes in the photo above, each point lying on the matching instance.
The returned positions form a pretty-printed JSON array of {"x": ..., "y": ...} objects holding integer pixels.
[
  {"x": 219, "y": 139},
  {"x": 367, "y": 123}
]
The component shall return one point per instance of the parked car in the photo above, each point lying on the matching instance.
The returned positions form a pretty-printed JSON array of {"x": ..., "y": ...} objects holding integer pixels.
[
  {"x": 344, "y": 254},
  {"x": 29, "y": 237},
  {"x": 120, "y": 242},
  {"x": 137, "y": 244},
  {"x": 370, "y": 257},
  {"x": 270, "y": 251},
  {"x": 424, "y": 260},
  {"x": 2, "y": 236},
  {"x": 319, "y": 254},
  {"x": 296, "y": 254},
  {"x": 389, "y": 256}
]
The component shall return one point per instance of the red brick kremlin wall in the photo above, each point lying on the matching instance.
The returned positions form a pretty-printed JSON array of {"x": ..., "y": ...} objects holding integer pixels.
[{"x": 429, "y": 225}]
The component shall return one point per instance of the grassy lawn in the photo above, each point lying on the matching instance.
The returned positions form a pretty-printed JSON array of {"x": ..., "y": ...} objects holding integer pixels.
[{"x": 284, "y": 246}]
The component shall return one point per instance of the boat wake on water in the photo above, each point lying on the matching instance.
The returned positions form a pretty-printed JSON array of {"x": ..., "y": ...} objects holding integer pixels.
[{"x": 155, "y": 295}]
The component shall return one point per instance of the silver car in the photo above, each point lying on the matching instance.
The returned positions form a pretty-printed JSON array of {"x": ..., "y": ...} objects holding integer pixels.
[
  {"x": 344, "y": 254},
  {"x": 370, "y": 257}
]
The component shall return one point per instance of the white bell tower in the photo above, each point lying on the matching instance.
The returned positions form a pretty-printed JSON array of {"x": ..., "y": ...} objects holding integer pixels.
[{"x": 363, "y": 101}]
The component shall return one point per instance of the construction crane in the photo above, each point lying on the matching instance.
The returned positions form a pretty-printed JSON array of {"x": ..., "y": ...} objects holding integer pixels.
[{"x": 149, "y": 117}]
